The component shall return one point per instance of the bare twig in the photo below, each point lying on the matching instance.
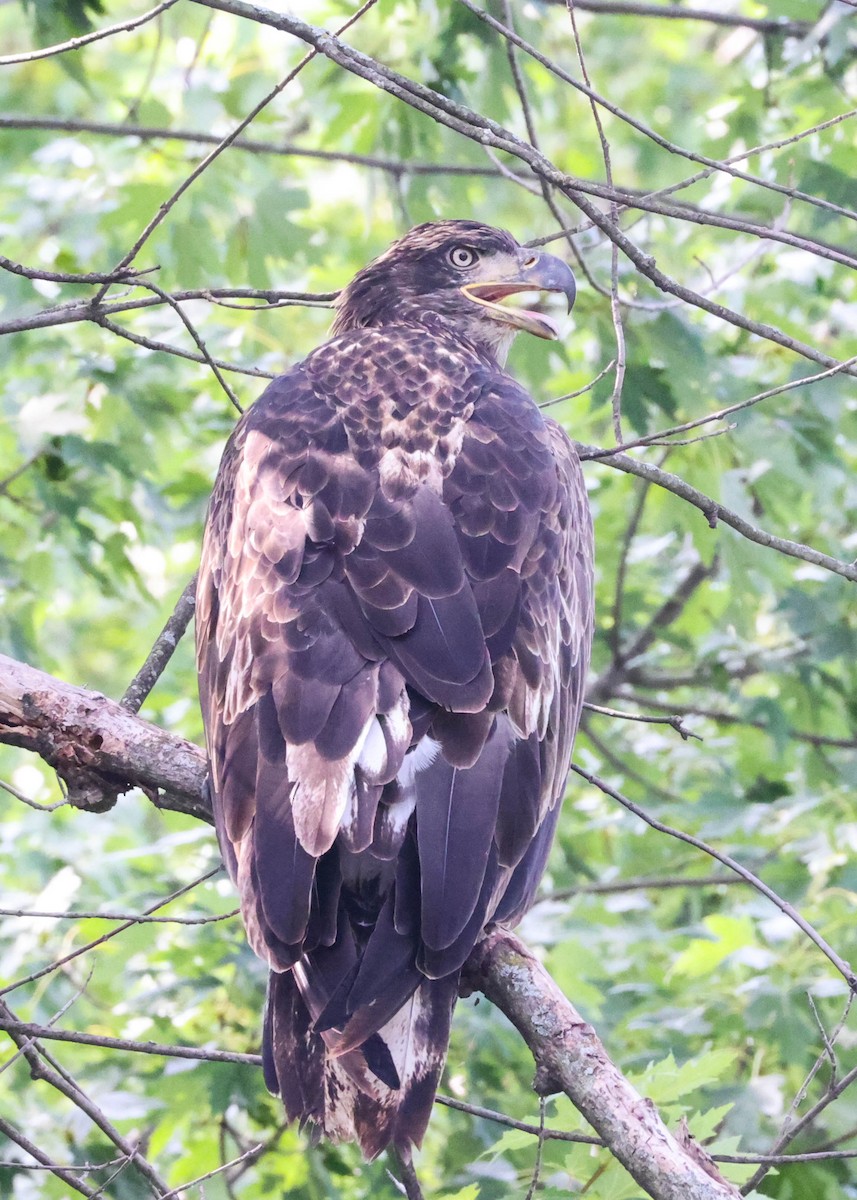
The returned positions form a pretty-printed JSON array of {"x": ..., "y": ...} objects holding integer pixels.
[
  {"x": 224, "y": 144},
  {"x": 788, "y": 910},
  {"x": 678, "y": 12},
  {"x": 481, "y": 129},
  {"x": 663, "y": 883},
  {"x": 623, "y": 656},
  {"x": 721, "y": 717},
  {"x": 68, "y": 1175},
  {"x": 162, "y": 651},
  {"x": 7, "y": 787},
  {"x": 409, "y": 1184},
  {"x": 715, "y": 512},
  {"x": 615, "y": 309},
  {"x": 166, "y": 348},
  {"x": 43, "y": 1067},
  {"x": 650, "y": 439},
  {"x": 198, "y": 342},
  {"x": 29, "y": 1029},
  {"x": 135, "y": 918},
  {"x": 76, "y": 43},
  {"x": 675, "y": 721},
  {"x": 105, "y": 937},
  {"x": 587, "y": 387},
  {"x": 393, "y": 166},
  {"x": 641, "y": 127}
]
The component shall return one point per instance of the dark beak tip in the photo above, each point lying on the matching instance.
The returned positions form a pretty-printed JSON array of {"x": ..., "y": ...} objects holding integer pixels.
[{"x": 557, "y": 276}]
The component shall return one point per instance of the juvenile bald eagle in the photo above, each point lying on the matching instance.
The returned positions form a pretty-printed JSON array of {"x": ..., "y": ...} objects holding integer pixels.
[{"x": 394, "y": 617}]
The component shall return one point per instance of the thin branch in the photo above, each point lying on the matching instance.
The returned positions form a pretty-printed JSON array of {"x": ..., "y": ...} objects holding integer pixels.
[
  {"x": 29, "y": 1029},
  {"x": 827, "y": 1055},
  {"x": 762, "y": 148},
  {"x": 127, "y": 275},
  {"x": 105, "y": 937},
  {"x": 7, "y": 60},
  {"x": 726, "y": 718},
  {"x": 68, "y": 1175},
  {"x": 166, "y": 348},
  {"x": 42, "y": 1067},
  {"x": 671, "y": 608},
  {"x": 410, "y": 1184},
  {"x": 7, "y": 787},
  {"x": 615, "y": 309},
  {"x": 614, "y": 636},
  {"x": 675, "y": 721},
  {"x": 70, "y": 1002},
  {"x": 135, "y": 918},
  {"x": 587, "y": 387},
  {"x": 715, "y": 512},
  {"x": 489, "y": 1114},
  {"x": 478, "y": 128},
  {"x": 89, "y": 310},
  {"x": 224, "y": 144},
  {"x": 650, "y": 439},
  {"x": 641, "y": 127},
  {"x": 537, "y": 1166},
  {"x": 393, "y": 166},
  {"x": 788, "y": 910},
  {"x": 678, "y": 12},
  {"x": 162, "y": 651},
  {"x": 198, "y": 342},
  {"x": 618, "y": 886},
  {"x": 832, "y": 1093},
  {"x": 251, "y": 1155}
]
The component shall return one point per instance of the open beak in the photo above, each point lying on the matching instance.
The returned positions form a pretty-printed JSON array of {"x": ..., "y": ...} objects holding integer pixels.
[{"x": 539, "y": 273}]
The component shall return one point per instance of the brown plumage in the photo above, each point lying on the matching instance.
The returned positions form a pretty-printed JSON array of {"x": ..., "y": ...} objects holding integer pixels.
[{"x": 394, "y": 616}]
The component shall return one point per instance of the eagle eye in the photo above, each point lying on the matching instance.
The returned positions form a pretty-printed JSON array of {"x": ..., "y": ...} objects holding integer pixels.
[{"x": 462, "y": 256}]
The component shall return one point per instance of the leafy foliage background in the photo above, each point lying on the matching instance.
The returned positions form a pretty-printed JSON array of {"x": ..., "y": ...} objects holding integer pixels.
[{"x": 706, "y": 994}]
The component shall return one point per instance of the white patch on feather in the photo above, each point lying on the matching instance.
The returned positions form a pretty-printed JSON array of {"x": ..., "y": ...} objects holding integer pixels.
[
  {"x": 416, "y": 760},
  {"x": 322, "y": 793},
  {"x": 372, "y": 757}
]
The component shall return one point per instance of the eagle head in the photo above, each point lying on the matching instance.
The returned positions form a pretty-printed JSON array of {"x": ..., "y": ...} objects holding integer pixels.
[{"x": 463, "y": 272}]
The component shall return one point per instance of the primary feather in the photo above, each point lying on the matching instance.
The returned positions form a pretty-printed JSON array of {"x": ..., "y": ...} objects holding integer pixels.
[{"x": 394, "y": 616}]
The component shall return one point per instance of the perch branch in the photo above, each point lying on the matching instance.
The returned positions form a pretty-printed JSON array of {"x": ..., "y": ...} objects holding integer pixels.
[
  {"x": 571, "y": 1059},
  {"x": 83, "y": 731},
  {"x": 97, "y": 745}
]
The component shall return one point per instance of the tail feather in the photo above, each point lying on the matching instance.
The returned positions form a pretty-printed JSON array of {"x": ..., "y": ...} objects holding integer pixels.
[{"x": 343, "y": 1091}]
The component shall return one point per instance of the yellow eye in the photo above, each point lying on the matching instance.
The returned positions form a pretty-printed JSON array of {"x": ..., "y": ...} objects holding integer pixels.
[{"x": 462, "y": 256}]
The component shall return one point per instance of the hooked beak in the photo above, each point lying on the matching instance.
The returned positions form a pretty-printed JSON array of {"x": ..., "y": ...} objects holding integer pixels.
[{"x": 540, "y": 272}]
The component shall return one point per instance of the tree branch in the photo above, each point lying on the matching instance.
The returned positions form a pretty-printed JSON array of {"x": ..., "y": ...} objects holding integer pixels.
[
  {"x": 67, "y": 1175},
  {"x": 76, "y": 43},
  {"x": 97, "y": 746},
  {"x": 678, "y": 12},
  {"x": 571, "y": 1059},
  {"x": 43, "y": 1067},
  {"x": 473, "y": 125},
  {"x": 715, "y": 512},
  {"x": 81, "y": 731},
  {"x": 148, "y": 133},
  {"x": 162, "y": 651}
]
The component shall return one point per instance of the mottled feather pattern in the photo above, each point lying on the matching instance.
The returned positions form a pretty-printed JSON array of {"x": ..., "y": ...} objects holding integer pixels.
[{"x": 393, "y": 629}]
